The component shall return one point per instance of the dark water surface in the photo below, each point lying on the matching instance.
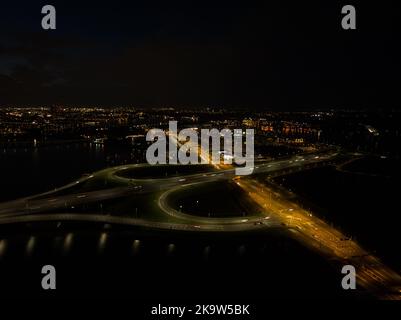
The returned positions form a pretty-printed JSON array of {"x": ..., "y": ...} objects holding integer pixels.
[
  {"x": 30, "y": 171},
  {"x": 95, "y": 262}
]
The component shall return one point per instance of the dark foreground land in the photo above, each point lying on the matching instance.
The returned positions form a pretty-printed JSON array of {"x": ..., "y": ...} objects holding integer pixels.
[{"x": 361, "y": 198}]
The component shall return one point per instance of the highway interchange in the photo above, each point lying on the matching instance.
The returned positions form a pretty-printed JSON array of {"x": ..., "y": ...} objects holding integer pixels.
[
  {"x": 52, "y": 200},
  {"x": 278, "y": 212}
]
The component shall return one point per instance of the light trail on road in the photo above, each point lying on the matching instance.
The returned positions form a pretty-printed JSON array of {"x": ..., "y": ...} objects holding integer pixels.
[{"x": 313, "y": 232}]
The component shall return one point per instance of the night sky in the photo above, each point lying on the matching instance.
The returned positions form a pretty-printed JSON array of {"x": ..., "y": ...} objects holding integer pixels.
[{"x": 287, "y": 56}]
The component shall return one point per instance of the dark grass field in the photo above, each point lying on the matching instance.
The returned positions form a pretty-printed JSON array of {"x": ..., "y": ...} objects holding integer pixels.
[
  {"x": 365, "y": 206},
  {"x": 213, "y": 199}
]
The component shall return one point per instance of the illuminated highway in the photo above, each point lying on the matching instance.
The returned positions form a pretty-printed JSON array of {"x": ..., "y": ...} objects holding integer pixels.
[
  {"x": 280, "y": 213},
  {"x": 372, "y": 274},
  {"x": 129, "y": 221},
  {"x": 51, "y": 200}
]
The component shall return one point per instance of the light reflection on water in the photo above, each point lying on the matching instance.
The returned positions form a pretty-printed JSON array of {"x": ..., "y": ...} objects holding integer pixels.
[
  {"x": 206, "y": 252},
  {"x": 241, "y": 250},
  {"x": 135, "y": 247},
  {"x": 68, "y": 240},
  {"x": 72, "y": 244},
  {"x": 3, "y": 247},
  {"x": 171, "y": 248},
  {"x": 102, "y": 242},
  {"x": 30, "y": 246}
]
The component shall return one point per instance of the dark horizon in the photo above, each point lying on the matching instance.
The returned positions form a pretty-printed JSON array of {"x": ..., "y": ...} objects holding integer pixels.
[{"x": 278, "y": 56}]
